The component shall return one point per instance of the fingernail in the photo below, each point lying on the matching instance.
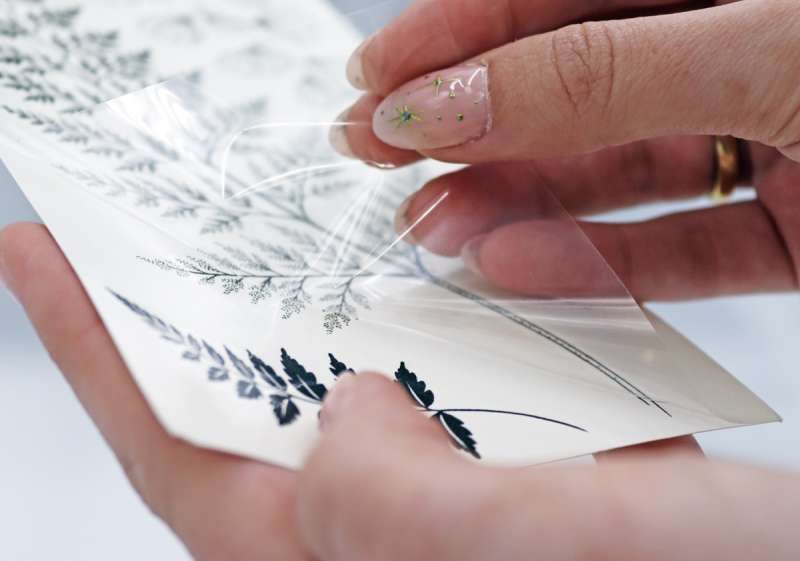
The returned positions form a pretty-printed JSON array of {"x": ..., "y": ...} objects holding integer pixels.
[
  {"x": 470, "y": 254},
  {"x": 337, "y": 401},
  {"x": 402, "y": 225},
  {"x": 440, "y": 110},
  {"x": 355, "y": 65},
  {"x": 338, "y": 135}
]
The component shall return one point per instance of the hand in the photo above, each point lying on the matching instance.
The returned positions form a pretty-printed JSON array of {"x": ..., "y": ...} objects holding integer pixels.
[
  {"x": 599, "y": 105},
  {"x": 221, "y": 506},
  {"x": 385, "y": 485}
]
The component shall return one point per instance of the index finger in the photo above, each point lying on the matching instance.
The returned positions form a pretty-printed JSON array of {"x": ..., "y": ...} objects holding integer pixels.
[{"x": 434, "y": 34}]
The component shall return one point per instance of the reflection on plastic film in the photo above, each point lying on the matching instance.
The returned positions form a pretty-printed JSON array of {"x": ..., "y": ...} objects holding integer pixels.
[{"x": 276, "y": 179}]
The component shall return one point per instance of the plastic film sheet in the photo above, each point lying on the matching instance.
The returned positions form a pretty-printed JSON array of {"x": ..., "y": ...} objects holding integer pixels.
[{"x": 242, "y": 264}]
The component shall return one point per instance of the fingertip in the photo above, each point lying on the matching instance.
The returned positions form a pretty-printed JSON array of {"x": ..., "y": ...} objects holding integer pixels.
[
  {"x": 338, "y": 135},
  {"x": 422, "y": 218},
  {"x": 455, "y": 208},
  {"x": 337, "y": 401},
  {"x": 17, "y": 242},
  {"x": 353, "y": 394},
  {"x": 546, "y": 258},
  {"x": 471, "y": 254},
  {"x": 14, "y": 236},
  {"x": 355, "y": 65},
  {"x": 404, "y": 222},
  {"x": 451, "y": 209}
]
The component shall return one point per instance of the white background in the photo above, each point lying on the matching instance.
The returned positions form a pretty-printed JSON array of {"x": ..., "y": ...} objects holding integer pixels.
[{"x": 62, "y": 495}]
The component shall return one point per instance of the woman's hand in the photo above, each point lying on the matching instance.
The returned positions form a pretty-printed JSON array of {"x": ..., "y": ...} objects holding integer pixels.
[
  {"x": 222, "y": 507},
  {"x": 385, "y": 485},
  {"x": 610, "y": 104},
  {"x": 367, "y": 494}
]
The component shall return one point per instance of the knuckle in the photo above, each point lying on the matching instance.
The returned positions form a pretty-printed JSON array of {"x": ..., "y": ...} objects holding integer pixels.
[
  {"x": 785, "y": 135},
  {"x": 774, "y": 103},
  {"x": 792, "y": 151},
  {"x": 583, "y": 56}
]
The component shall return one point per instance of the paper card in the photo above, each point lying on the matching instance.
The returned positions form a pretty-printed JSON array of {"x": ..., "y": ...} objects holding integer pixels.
[{"x": 241, "y": 266}]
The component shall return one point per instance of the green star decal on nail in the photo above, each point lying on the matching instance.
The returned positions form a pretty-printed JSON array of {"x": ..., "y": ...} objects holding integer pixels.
[
  {"x": 405, "y": 116},
  {"x": 437, "y": 85}
]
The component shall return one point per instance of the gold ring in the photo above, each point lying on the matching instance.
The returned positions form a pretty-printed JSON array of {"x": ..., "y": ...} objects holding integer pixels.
[{"x": 727, "y": 167}]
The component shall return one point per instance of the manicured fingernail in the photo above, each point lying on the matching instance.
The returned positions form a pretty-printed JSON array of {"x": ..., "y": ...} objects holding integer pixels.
[
  {"x": 355, "y": 65},
  {"x": 337, "y": 401},
  {"x": 338, "y": 136},
  {"x": 402, "y": 225},
  {"x": 470, "y": 254},
  {"x": 439, "y": 110}
]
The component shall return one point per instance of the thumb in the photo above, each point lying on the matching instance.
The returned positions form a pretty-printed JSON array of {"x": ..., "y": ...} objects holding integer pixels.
[
  {"x": 371, "y": 480},
  {"x": 369, "y": 409},
  {"x": 596, "y": 84}
]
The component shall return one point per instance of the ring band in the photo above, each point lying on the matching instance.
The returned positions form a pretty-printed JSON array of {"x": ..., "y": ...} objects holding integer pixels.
[{"x": 727, "y": 168}]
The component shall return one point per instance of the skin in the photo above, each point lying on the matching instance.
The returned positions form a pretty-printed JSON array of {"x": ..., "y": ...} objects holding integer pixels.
[{"x": 383, "y": 484}]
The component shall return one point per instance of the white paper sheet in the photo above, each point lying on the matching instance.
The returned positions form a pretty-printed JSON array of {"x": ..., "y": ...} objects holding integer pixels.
[{"x": 240, "y": 265}]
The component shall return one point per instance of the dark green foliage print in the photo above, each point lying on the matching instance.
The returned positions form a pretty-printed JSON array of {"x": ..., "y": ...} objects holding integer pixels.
[{"x": 297, "y": 386}]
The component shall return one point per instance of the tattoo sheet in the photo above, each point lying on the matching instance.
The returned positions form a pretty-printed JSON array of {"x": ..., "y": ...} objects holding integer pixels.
[{"x": 178, "y": 152}]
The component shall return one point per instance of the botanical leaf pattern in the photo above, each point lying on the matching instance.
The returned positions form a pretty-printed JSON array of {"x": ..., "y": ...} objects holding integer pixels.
[
  {"x": 303, "y": 386},
  {"x": 213, "y": 354},
  {"x": 285, "y": 409},
  {"x": 248, "y": 389},
  {"x": 218, "y": 374},
  {"x": 416, "y": 388},
  {"x": 72, "y": 69},
  {"x": 337, "y": 367},
  {"x": 304, "y": 381},
  {"x": 460, "y": 434},
  {"x": 289, "y": 271},
  {"x": 267, "y": 373},
  {"x": 240, "y": 365}
]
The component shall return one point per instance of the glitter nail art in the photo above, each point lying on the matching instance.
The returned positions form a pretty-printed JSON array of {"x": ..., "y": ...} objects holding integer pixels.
[{"x": 455, "y": 100}]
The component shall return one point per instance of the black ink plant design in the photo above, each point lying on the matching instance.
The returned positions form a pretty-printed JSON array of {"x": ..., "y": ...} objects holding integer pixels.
[
  {"x": 460, "y": 434},
  {"x": 296, "y": 386}
]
